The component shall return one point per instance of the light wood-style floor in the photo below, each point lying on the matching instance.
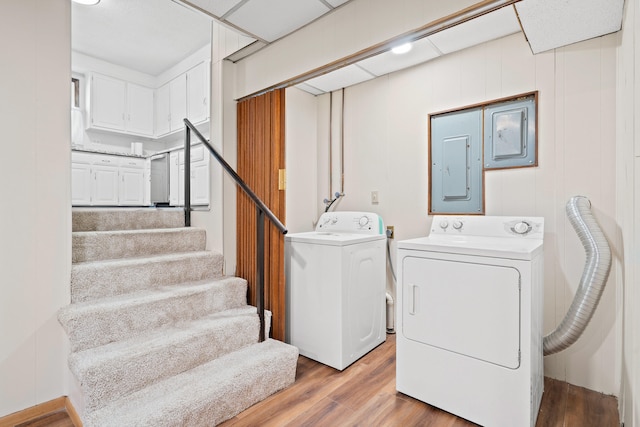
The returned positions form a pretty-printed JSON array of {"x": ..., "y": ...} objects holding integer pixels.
[{"x": 365, "y": 395}]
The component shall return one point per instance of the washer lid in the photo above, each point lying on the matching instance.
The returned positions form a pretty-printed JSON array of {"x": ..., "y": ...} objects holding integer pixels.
[
  {"x": 496, "y": 247},
  {"x": 333, "y": 239}
]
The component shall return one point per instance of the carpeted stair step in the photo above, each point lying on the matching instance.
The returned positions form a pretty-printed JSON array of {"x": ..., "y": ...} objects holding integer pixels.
[
  {"x": 112, "y": 371},
  {"x": 103, "y": 245},
  {"x": 207, "y": 394},
  {"x": 95, "y": 323},
  {"x": 102, "y": 219},
  {"x": 100, "y": 279}
]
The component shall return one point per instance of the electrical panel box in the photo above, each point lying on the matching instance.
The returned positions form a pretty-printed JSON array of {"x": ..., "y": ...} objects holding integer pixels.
[
  {"x": 456, "y": 162},
  {"x": 510, "y": 134},
  {"x": 466, "y": 142}
]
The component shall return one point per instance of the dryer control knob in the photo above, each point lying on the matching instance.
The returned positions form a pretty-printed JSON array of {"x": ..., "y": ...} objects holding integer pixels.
[
  {"x": 334, "y": 220},
  {"x": 522, "y": 227},
  {"x": 444, "y": 224},
  {"x": 457, "y": 224},
  {"x": 363, "y": 221}
]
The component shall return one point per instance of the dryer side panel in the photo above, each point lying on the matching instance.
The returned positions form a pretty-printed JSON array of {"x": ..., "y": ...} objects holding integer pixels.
[{"x": 461, "y": 307}]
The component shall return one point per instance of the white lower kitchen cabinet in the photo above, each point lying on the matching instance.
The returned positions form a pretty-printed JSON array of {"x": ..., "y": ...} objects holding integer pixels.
[
  {"x": 80, "y": 184},
  {"x": 175, "y": 179},
  {"x": 109, "y": 180},
  {"x": 104, "y": 187},
  {"x": 131, "y": 187},
  {"x": 200, "y": 181}
]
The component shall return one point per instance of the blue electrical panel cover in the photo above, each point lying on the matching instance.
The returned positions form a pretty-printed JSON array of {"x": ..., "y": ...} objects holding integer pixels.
[{"x": 456, "y": 162}]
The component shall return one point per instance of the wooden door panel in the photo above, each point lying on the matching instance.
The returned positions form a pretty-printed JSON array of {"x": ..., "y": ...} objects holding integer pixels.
[{"x": 260, "y": 156}]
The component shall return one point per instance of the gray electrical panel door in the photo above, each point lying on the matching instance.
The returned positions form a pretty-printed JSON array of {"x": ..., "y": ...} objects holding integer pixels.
[
  {"x": 456, "y": 162},
  {"x": 510, "y": 134}
]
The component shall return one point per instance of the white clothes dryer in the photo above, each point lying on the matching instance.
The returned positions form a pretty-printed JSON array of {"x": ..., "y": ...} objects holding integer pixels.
[
  {"x": 469, "y": 332},
  {"x": 335, "y": 283}
]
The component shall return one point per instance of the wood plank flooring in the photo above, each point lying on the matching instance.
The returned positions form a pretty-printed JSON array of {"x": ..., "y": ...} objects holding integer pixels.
[
  {"x": 364, "y": 395},
  {"x": 55, "y": 419}
]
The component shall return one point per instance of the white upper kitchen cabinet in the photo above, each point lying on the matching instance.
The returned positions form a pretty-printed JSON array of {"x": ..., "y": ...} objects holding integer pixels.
[
  {"x": 171, "y": 106},
  {"x": 139, "y": 110},
  {"x": 107, "y": 97},
  {"x": 198, "y": 93},
  {"x": 163, "y": 110},
  {"x": 178, "y": 87},
  {"x": 120, "y": 106},
  {"x": 186, "y": 95}
]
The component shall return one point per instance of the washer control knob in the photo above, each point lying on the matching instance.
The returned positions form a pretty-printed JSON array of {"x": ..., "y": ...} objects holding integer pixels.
[
  {"x": 444, "y": 224},
  {"x": 522, "y": 227},
  {"x": 363, "y": 221},
  {"x": 457, "y": 224},
  {"x": 334, "y": 220}
]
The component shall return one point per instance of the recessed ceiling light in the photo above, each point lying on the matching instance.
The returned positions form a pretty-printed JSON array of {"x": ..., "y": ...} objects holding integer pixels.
[
  {"x": 403, "y": 48},
  {"x": 87, "y": 2}
]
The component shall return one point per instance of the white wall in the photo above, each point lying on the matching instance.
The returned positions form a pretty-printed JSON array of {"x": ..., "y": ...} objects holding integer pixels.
[
  {"x": 35, "y": 226},
  {"x": 221, "y": 215},
  {"x": 301, "y": 160},
  {"x": 386, "y": 151},
  {"x": 628, "y": 205}
]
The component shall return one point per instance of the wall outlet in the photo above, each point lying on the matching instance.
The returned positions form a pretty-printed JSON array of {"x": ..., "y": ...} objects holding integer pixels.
[{"x": 390, "y": 231}]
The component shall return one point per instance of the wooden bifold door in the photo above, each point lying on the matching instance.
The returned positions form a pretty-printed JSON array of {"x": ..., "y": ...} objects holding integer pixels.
[{"x": 260, "y": 159}]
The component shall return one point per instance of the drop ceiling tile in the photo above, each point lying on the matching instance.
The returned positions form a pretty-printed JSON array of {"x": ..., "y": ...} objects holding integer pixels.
[
  {"x": 340, "y": 78},
  {"x": 491, "y": 26},
  {"x": 549, "y": 24},
  {"x": 336, "y": 3},
  {"x": 421, "y": 51},
  {"x": 215, "y": 7},
  {"x": 312, "y": 90},
  {"x": 273, "y": 19}
]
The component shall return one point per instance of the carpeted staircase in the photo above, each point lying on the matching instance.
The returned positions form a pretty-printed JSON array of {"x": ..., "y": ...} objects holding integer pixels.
[{"x": 158, "y": 336}]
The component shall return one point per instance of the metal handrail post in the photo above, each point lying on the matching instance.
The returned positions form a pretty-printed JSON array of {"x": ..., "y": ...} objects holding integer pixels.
[
  {"x": 187, "y": 177},
  {"x": 260, "y": 270}
]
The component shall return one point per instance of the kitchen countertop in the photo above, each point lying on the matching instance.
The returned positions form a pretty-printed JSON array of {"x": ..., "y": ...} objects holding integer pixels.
[
  {"x": 116, "y": 153},
  {"x": 111, "y": 153}
]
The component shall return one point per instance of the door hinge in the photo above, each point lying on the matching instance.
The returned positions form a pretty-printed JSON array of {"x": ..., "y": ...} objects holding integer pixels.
[{"x": 282, "y": 179}]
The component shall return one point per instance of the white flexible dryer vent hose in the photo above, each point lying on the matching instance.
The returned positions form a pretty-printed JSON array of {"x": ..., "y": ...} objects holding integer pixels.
[{"x": 592, "y": 282}]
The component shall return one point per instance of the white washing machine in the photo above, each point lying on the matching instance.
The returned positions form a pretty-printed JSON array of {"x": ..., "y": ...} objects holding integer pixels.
[
  {"x": 469, "y": 332},
  {"x": 336, "y": 280}
]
